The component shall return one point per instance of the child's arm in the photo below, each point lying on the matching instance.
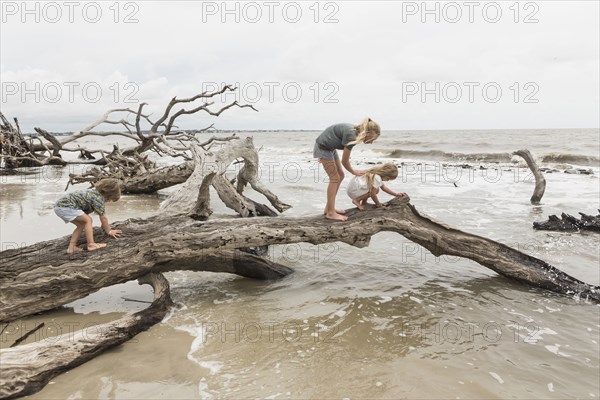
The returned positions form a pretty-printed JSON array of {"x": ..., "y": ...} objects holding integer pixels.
[
  {"x": 346, "y": 163},
  {"x": 389, "y": 191},
  {"x": 114, "y": 233}
]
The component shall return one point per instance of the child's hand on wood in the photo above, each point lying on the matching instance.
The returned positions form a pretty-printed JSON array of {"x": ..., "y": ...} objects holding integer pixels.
[
  {"x": 115, "y": 233},
  {"x": 401, "y": 194}
]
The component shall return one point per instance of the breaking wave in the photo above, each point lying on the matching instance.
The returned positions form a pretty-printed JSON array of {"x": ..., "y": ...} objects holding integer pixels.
[{"x": 440, "y": 155}]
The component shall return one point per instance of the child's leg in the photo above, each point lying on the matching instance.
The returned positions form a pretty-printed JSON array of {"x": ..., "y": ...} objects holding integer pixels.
[
  {"x": 340, "y": 170},
  {"x": 360, "y": 202},
  {"x": 88, "y": 227},
  {"x": 373, "y": 195},
  {"x": 73, "y": 248},
  {"x": 335, "y": 180}
]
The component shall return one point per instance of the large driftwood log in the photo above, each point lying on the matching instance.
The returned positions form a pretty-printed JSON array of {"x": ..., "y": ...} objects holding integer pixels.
[
  {"x": 540, "y": 181},
  {"x": 63, "y": 278},
  {"x": 569, "y": 223},
  {"x": 41, "y": 277},
  {"x": 26, "y": 369}
]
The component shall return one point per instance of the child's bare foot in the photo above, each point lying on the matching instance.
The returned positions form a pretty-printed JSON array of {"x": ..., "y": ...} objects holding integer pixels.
[
  {"x": 74, "y": 249},
  {"x": 358, "y": 204},
  {"x": 336, "y": 217},
  {"x": 95, "y": 246},
  {"x": 337, "y": 211}
]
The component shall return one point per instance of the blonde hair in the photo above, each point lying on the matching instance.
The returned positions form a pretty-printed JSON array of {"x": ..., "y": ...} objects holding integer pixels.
[
  {"x": 388, "y": 172},
  {"x": 109, "y": 188},
  {"x": 366, "y": 130}
]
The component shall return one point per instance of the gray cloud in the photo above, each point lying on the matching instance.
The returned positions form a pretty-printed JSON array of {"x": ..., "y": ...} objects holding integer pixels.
[{"x": 345, "y": 70}]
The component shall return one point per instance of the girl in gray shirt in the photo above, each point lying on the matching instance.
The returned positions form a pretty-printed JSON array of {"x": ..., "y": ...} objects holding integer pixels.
[{"x": 341, "y": 137}]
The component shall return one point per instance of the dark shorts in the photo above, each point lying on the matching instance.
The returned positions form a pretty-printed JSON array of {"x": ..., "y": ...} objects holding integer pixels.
[{"x": 329, "y": 155}]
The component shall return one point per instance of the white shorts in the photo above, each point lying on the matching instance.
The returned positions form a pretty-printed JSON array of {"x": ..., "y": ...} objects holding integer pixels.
[
  {"x": 358, "y": 187},
  {"x": 67, "y": 214}
]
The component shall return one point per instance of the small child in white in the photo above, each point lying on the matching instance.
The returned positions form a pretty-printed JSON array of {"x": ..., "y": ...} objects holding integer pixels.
[{"x": 361, "y": 188}]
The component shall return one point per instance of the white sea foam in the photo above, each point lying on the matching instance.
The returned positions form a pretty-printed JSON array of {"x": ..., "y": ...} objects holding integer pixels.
[
  {"x": 555, "y": 349},
  {"x": 496, "y": 377},
  {"x": 197, "y": 330}
]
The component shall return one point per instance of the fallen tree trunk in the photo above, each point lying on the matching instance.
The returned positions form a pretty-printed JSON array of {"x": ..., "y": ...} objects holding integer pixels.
[
  {"x": 540, "y": 181},
  {"x": 26, "y": 369},
  {"x": 41, "y": 277},
  {"x": 569, "y": 223},
  {"x": 162, "y": 178},
  {"x": 62, "y": 278}
]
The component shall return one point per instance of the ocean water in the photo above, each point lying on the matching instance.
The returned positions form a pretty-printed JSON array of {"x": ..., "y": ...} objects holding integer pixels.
[{"x": 386, "y": 321}]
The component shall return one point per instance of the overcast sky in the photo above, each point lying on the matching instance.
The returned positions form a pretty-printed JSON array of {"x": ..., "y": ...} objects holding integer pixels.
[{"x": 306, "y": 65}]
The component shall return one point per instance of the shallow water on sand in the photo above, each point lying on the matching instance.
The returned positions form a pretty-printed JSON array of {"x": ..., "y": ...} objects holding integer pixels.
[{"x": 386, "y": 321}]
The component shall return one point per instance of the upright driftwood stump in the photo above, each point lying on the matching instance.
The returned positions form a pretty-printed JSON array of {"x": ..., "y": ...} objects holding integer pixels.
[{"x": 540, "y": 181}]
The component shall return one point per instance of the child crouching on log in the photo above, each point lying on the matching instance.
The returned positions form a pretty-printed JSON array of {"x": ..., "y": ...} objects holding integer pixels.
[
  {"x": 75, "y": 207},
  {"x": 361, "y": 188}
]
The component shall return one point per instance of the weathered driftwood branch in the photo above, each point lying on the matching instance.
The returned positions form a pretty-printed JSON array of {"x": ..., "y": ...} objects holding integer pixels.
[
  {"x": 540, "y": 181},
  {"x": 160, "y": 138},
  {"x": 41, "y": 277},
  {"x": 162, "y": 178},
  {"x": 17, "y": 152},
  {"x": 569, "y": 223},
  {"x": 153, "y": 179},
  {"x": 26, "y": 369},
  {"x": 56, "y": 145},
  {"x": 243, "y": 205},
  {"x": 194, "y": 195}
]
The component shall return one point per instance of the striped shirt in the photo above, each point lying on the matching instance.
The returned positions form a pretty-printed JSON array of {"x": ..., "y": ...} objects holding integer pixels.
[{"x": 89, "y": 200}]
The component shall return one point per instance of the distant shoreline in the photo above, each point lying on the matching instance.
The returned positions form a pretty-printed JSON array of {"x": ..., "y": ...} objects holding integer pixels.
[{"x": 194, "y": 131}]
